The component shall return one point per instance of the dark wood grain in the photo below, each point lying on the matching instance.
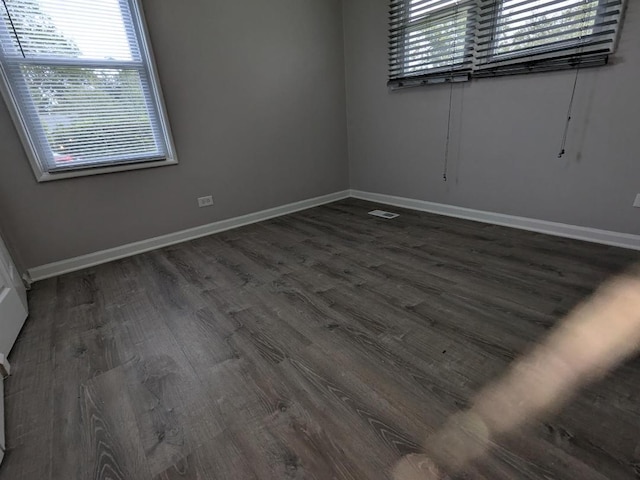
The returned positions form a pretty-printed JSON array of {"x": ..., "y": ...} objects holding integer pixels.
[
  {"x": 111, "y": 444},
  {"x": 320, "y": 345}
]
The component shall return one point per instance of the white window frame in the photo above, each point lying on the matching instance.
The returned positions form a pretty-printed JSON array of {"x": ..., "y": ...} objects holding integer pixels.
[{"x": 41, "y": 174}]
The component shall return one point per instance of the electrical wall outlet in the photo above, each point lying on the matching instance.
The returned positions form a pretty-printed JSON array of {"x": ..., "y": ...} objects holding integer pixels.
[
  {"x": 637, "y": 202},
  {"x": 205, "y": 201}
]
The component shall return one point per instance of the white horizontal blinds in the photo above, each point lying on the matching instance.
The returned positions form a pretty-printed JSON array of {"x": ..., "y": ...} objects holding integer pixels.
[
  {"x": 89, "y": 115},
  {"x": 81, "y": 82},
  {"x": 430, "y": 38},
  {"x": 95, "y": 29},
  {"x": 545, "y": 34}
]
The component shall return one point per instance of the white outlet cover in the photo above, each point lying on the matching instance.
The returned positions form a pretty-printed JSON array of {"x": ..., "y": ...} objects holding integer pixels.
[
  {"x": 637, "y": 202},
  {"x": 205, "y": 201}
]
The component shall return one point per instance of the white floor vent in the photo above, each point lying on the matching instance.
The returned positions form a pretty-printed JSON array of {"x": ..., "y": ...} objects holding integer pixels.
[{"x": 383, "y": 214}]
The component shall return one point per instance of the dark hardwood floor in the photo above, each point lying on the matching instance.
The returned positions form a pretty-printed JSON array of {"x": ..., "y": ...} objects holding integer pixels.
[{"x": 321, "y": 345}]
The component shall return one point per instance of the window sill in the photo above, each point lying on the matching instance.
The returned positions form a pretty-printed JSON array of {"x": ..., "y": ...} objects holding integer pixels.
[{"x": 48, "y": 177}]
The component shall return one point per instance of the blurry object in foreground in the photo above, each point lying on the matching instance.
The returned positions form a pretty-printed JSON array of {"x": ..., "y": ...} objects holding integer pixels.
[{"x": 592, "y": 340}]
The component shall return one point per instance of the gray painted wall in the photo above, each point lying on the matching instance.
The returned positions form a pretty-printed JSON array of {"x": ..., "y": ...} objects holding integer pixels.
[
  {"x": 255, "y": 95},
  {"x": 506, "y": 134}
]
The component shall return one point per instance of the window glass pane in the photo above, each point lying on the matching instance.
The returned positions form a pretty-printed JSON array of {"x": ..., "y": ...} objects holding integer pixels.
[
  {"x": 92, "y": 115},
  {"x": 436, "y": 43},
  {"x": 541, "y": 23},
  {"x": 96, "y": 29}
]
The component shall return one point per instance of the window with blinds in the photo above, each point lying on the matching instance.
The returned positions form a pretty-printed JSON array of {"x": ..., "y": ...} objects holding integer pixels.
[
  {"x": 79, "y": 79},
  {"x": 431, "y": 39},
  {"x": 436, "y": 40}
]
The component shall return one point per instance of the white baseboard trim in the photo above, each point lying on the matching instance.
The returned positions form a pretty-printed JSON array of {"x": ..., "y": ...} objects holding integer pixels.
[
  {"x": 92, "y": 259},
  {"x": 624, "y": 240},
  {"x": 594, "y": 235}
]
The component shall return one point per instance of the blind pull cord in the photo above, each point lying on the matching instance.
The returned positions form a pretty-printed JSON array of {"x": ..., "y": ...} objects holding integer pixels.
[
  {"x": 453, "y": 59},
  {"x": 565, "y": 135},
  {"x": 13, "y": 27},
  {"x": 569, "y": 114},
  {"x": 446, "y": 151}
]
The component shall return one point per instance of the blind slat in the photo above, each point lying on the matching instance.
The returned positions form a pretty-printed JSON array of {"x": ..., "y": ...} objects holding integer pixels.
[
  {"x": 433, "y": 40},
  {"x": 116, "y": 160},
  {"x": 442, "y": 62},
  {"x": 544, "y": 38},
  {"x": 417, "y": 10},
  {"x": 407, "y": 20},
  {"x": 598, "y": 21}
]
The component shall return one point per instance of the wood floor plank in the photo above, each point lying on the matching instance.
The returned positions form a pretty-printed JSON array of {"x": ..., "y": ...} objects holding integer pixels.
[
  {"x": 320, "y": 345},
  {"x": 76, "y": 362},
  {"x": 173, "y": 413},
  {"x": 111, "y": 443},
  {"x": 218, "y": 459}
]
